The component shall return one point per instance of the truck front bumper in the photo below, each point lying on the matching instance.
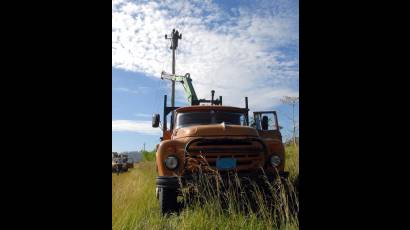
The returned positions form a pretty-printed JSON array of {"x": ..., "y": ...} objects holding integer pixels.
[{"x": 176, "y": 182}]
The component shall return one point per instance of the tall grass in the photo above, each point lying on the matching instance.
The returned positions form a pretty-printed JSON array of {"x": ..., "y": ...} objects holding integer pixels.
[
  {"x": 134, "y": 205},
  {"x": 148, "y": 155},
  {"x": 292, "y": 162}
]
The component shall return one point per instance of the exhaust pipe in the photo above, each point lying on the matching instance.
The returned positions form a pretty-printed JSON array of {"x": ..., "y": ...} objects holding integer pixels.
[
  {"x": 212, "y": 96},
  {"x": 247, "y": 112}
]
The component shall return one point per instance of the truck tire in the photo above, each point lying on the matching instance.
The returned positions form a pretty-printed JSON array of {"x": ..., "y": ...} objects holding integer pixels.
[{"x": 167, "y": 200}]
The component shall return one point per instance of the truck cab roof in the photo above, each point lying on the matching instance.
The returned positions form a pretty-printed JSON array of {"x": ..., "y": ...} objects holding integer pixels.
[{"x": 210, "y": 107}]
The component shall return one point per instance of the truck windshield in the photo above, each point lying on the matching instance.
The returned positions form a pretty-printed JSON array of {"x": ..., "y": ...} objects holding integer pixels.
[{"x": 209, "y": 117}]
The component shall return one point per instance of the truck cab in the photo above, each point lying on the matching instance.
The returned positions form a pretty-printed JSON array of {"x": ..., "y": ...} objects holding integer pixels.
[{"x": 219, "y": 139}]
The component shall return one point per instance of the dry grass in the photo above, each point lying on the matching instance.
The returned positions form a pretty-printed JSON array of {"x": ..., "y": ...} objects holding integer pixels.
[{"x": 134, "y": 205}]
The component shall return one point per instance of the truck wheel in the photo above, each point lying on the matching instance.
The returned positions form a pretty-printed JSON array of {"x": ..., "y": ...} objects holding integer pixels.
[{"x": 167, "y": 200}]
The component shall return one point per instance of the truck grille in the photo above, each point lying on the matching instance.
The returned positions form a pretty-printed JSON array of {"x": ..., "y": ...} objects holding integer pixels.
[{"x": 249, "y": 153}]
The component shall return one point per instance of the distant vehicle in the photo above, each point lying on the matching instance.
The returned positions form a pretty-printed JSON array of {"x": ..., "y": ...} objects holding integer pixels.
[
  {"x": 130, "y": 163},
  {"x": 119, "y": 163},
  {"x": 128, "y": 160}
]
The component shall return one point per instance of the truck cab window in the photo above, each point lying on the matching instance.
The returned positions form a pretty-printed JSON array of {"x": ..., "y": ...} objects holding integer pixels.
[
  {"x": 265, "y": 121},
  {"x": 187, "y": 119}
]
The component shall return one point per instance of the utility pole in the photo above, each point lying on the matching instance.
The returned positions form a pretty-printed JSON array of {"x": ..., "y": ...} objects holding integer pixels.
[
  {"x": 144, "y": 146},
  {"x": 175, "y": 35}
]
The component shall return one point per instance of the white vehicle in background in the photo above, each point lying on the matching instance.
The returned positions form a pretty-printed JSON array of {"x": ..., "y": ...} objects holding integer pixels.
[{"x": 119, "y": 163}]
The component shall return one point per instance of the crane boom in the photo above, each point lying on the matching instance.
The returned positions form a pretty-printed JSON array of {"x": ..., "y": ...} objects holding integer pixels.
[{"x": 186, "y": 83}]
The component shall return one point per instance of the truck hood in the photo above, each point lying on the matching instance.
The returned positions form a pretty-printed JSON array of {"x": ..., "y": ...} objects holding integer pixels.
[{"x": 214, "y": 130}]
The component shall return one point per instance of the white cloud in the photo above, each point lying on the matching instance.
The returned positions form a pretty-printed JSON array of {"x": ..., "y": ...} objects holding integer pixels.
[
  {"x": 143, "y": 115},
  {"x": 142, "y": 127},
  {"x": 239, "y": 54},
  {"x": 138, "y": 90}
]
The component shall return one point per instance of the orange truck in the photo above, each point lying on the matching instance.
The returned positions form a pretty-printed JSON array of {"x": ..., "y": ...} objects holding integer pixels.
[{"x": 210, "y": 136}]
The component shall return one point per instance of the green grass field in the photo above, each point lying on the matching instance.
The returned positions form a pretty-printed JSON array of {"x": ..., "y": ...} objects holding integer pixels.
[{"x": 134, "y": 205}]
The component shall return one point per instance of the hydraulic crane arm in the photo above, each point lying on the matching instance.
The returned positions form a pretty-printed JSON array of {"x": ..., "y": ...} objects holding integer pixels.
[{"x": 186, "y": 83}]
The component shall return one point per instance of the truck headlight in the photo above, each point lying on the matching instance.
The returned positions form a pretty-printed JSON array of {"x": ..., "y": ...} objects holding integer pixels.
[
  {"x": 171, "y": 162},
  {"x": 275, "y": 160}
]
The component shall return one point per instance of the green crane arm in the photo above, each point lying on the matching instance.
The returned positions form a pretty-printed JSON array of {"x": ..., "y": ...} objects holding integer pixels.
[{"x": 186, "y": 83}]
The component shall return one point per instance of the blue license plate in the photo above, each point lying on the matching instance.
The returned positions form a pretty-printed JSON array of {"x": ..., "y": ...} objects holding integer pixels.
[{"x": 226, "y": 163}]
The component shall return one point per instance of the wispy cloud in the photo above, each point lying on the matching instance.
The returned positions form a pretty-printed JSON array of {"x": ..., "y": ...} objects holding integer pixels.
[
  {"x": 246, "y": 51},
  {"x": 142, "y": 127},
  {"x": 143, "y": 115},
  {"x": 138, "y": 90}
]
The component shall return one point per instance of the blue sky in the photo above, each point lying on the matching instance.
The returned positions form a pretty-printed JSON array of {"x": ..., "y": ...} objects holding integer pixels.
[{"x": 238, "y": 48}]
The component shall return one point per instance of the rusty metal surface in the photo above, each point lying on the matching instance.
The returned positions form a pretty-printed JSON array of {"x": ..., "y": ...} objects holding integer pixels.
[
  {"x": 202, "y": 154},
  {"x": 210, "y": 107}
]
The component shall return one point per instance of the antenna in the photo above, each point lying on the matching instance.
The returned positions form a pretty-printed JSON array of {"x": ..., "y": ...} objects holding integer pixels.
[{"x": 212, "y": 96}]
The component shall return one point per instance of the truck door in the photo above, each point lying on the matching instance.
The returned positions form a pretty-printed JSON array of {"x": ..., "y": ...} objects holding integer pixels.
[{"x": 266, "y": 122}]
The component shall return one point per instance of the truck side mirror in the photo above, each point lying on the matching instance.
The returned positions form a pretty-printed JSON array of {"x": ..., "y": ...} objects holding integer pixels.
[
  {"x": 265, "y": 123},
  {"x": 155, "y": 120}
]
